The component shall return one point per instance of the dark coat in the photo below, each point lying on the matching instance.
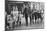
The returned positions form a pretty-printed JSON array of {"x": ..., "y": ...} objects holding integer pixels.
[{"x": 27, "y": 11}]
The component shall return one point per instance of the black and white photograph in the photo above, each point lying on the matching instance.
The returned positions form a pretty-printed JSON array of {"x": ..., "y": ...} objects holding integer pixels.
[{"x": 24, "y": 15}]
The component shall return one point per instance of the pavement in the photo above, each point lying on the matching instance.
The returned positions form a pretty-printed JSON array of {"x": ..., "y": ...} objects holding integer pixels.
[{"x": 30, "y": 26}]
